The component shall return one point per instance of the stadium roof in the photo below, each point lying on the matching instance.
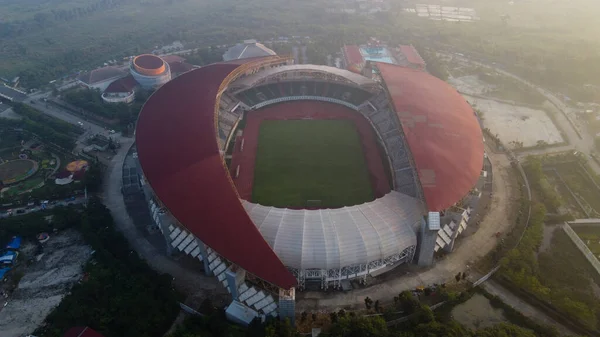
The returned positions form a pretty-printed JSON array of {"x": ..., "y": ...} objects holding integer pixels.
[
  {"x": 343, "y": 74},
  {"x": 177, "y": 148},
  {"x": 353, "y": 55},
  {"x": 101, "y": 75},
  {"x": 248, "y": 49},
  {"x": 442, "y": 132},
  {"x": 336, "y": 238},
  {"x": 412, "y": 55}
]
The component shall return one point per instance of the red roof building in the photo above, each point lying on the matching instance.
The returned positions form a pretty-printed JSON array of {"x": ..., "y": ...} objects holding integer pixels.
[
  {"x": 411, "y": 57},
  {"x": 441, "y": 130},
  {"x": 353, "y": 58},
  {"x": 125, "y": 84}
]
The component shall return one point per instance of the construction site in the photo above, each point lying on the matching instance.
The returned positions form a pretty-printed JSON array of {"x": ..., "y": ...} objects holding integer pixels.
[{"x": 39, "y": 282}]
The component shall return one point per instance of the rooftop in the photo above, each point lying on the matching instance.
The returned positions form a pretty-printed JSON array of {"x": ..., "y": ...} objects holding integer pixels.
[
  {"x": 441, "y": 130},
  {"x": 248, "y": 49},
  {"x": 125, "y": 84},
  {"x": 101, "y": 75}
]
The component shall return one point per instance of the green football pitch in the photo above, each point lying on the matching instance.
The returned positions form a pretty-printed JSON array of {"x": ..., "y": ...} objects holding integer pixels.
[{"x": 302, "y": 162}]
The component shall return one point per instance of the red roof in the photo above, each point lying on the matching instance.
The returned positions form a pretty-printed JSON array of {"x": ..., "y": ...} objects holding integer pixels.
[
  {"x": 412, "y": 55},
  {"x": 125, "y": 84},
  {"x": 177, "y": 148},
  {"x": 82, "y": 331},
  {"x": 353, "y": 55},
  {"x": 442, "y": 132}
]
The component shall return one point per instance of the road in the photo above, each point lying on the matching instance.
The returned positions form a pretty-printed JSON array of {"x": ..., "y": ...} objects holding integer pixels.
[{"x": 27, "y": 210}]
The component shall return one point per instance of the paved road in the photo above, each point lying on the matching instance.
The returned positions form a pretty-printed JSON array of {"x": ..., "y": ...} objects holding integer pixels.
[{"x": 27, "y": 210}]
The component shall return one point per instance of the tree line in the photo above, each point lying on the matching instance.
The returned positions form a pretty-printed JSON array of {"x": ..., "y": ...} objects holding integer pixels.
[{"x": 48, "y": 128}]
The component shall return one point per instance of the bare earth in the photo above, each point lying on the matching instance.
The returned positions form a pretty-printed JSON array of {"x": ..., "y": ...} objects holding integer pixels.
[{"x": 44, "y": 284}]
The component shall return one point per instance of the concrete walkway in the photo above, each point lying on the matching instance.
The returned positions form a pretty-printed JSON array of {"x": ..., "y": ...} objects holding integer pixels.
[{"x": 469, "y": 250}]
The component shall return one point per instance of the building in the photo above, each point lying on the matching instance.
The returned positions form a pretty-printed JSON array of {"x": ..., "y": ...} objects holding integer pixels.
[
  {"x": 101, "y": 78},
  {"x": 355, "y": 57},
  {"x": 408, "y": 56},
  {"x": 430, "y": 135},
  {"x": 150, "y": 71},
  {"x": 247, "y": 49},
  {"x": 145, "y": 71},
  {"x": 120, "y": 91}
]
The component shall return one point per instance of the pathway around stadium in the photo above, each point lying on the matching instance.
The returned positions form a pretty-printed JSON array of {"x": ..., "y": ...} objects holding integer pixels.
[
  {"x": 191, "y": 282},
  {"x": 469, "y": 250}
]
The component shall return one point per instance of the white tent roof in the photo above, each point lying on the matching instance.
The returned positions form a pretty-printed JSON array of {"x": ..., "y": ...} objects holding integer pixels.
[{"x": 335, "y": 238}]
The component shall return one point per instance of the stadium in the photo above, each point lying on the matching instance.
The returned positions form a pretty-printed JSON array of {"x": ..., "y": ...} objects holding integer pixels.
[{"x": 281, "y": 177}]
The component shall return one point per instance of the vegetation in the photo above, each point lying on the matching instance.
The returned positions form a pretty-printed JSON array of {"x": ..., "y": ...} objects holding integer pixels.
[
  {"x": 43, "y": 126},
  {"x": 569, "y": 276},
  {"x": 122, "y": 296},
  {"x": 559, "y": 277},
  {"x": 89, "y": 100},
  {"x": 215, "y": 324},
  {"x": 304, "y": 160},
  {"x": 520, "y": 265},
  {"x": 540, "y": 185}
]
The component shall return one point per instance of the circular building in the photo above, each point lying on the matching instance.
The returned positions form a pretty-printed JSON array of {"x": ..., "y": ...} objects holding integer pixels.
[
  {"x": 420, "y": 140},
  {"x": 150, "y": 71}
]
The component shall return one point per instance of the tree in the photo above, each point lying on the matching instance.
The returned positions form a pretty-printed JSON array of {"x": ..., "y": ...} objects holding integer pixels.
[
  {"x": 407, "y": 302},
  {"x": 333, "y": 317}
]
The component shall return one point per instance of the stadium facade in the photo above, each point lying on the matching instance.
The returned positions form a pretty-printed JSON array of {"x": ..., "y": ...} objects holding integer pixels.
[{"x": 261, "y": 254}]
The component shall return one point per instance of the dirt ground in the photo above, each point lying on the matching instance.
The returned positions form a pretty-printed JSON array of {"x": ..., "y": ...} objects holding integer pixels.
[
  {"x": 44, "y": 283},
  {"x": 477, "y": 313}
]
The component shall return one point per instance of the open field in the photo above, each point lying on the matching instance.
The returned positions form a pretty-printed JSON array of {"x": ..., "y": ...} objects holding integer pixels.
[
  {"x": 300, "y": 160},
  {"x": 15, "y": 169},
  {"x": 516, "y": 123},
  {"x": 477, "y": 312}
]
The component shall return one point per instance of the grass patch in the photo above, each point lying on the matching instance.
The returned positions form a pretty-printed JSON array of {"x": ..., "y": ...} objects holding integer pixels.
[
  {"x": 591, "y": 236},
  {"x": 304, "y": 160}
]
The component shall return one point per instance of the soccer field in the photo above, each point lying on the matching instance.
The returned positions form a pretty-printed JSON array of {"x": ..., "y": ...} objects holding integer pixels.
[{"x": 301, "y": 160}]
